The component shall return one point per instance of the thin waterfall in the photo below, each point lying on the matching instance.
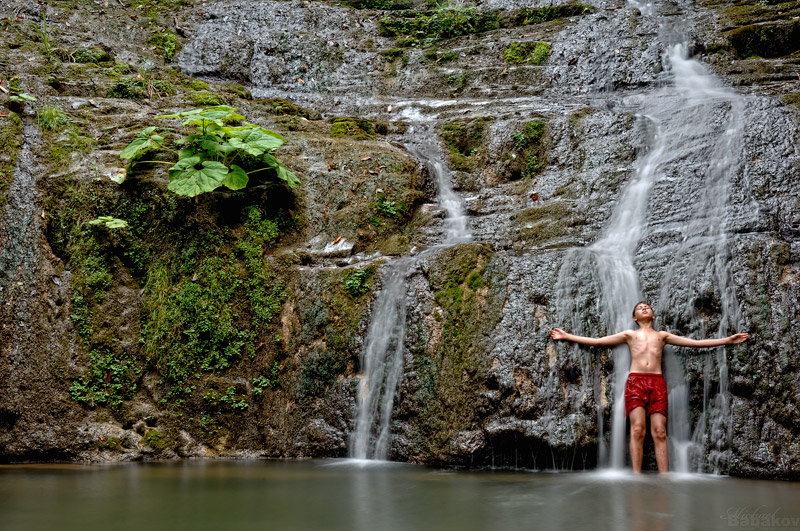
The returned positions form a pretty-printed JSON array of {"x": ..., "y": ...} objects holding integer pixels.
[{"x": 382, "y": 359}]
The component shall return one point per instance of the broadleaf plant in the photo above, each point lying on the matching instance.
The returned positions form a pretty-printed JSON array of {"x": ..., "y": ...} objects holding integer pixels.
[{"x": 207, "y": 153}]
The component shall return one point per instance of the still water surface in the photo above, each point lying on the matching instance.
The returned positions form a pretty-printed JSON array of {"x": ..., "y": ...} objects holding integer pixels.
[{"x": 351, "y": 495}]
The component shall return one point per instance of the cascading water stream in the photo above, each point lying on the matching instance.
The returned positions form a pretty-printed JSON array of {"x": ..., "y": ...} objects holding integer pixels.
[
  {"x": 382, "y": 359},
  {"x": 696, "y": 120}
]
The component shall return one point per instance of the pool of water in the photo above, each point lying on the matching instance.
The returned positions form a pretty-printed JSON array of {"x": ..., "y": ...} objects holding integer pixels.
[{"x": 352, "y": 495}]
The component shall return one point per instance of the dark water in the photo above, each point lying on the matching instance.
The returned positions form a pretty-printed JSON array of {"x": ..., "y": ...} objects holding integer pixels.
[{"x": 321, "y": 495}]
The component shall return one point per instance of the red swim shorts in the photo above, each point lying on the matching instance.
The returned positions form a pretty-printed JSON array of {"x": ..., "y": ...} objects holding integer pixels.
[{"x": 647, "y": 390}]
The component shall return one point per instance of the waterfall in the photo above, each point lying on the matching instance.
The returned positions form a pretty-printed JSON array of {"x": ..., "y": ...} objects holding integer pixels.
[
  {"x": 382, "y": 359},
  {"x": 693, "y": 128}
]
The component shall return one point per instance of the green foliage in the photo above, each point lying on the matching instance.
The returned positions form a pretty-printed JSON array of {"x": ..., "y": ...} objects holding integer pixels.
[
  {"x": 444, "y": 23},
  {"x": 110, "y": 222},
  {"x": 229, "y": 399},
  {"x": 353, "y": 128},
  {"x": 166, "y": 43},
  {"x": 529, "y": 143},
  {"x": 44, "y": 35},
  {"x": 265, "y": 381},
  {"x": 51, "y": 118},
  {"x": 531, "y": 134},
  {"x": 196, "y": 84},
  {"x": 356, "y": 282},
  {"x": 205, "y": 160},
  {"x": 109, "y": 380},
  {"x": 531, "y": 53},
  {"x": 21, "y": 97}
]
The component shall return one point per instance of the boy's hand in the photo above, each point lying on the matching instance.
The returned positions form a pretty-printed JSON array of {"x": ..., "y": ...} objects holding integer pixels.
[
  {"x": 557, "y": 334},
  {"x": 738, "y": 338}
]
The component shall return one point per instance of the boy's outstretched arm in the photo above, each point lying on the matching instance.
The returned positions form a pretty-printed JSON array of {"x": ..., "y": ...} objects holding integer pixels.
[
  {"x": 617, "y": 339},
  {"x": 680, "y": 341}
]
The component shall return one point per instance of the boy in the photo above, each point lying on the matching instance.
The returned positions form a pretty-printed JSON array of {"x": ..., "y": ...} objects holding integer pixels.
[{"x": 645, "y": 390}]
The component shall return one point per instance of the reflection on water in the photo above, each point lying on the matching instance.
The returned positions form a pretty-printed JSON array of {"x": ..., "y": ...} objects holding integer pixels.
[{"x": 353, "y": 495}]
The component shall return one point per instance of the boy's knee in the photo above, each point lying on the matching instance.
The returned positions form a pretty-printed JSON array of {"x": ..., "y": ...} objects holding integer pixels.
[
  {"x": 638, "y": 432},
  {"x": 659, "y": 433}
]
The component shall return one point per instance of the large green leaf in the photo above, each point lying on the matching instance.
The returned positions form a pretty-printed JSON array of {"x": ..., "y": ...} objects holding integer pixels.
[
  {"x": 144, "y": 142},
  {"x": 236, "y": 179},
  {"x": 191, "y": 180},
  {"x": 290, "y": 178}
]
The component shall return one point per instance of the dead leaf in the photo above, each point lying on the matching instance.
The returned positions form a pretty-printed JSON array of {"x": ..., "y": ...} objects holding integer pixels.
[
  {"x": 365, "y": 158},
  {"x": 535, "y": 197},
  {"x": 299, "y": 80},
  {"x": 337, "y": 240},
  {"x": 194, "y": 277},
  {"x": 93, "y": 104}
]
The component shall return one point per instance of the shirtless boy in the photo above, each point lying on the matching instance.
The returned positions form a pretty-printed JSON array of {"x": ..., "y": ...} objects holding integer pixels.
[{"x": 645, "y": 390}]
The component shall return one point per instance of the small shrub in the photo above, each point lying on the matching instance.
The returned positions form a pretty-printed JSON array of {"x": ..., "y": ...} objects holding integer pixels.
[{"x": 356, "y": 283}]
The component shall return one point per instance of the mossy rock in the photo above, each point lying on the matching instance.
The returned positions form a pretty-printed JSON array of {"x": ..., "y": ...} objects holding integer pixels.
[
  {"x": 766, "y": 40},
  {"x": 538, "y": 15},
  {"x": 468, "y": 283},
  {"x": 204, "y": 98},
  {"x": 10, "y": 145},
  {"x": 285, "y": 107},
  {"x": 464, "y": 139},
  {"x": 527, "y": 53},
  {"x": 352, "y": 128},
  {"x": 529, "y": 150},
  {"x": 551, "y": 221},
  {"x": 88, "y": 55}
]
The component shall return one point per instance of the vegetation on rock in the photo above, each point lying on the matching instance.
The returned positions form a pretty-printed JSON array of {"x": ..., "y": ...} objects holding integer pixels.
[{"x": 205, "y": 160}]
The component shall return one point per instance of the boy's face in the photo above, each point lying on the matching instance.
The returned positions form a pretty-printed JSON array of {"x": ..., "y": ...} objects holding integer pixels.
[{"x": 642, "y": 310}]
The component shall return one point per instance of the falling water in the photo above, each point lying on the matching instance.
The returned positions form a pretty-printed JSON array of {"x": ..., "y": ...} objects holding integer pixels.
[
  {"x": 382, "y": 359},
  {"x": 682, "y": 122}
]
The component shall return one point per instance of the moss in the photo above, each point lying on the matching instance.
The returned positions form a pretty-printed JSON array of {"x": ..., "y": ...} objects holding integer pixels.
[
  {"x": 10, "y": 145},
  {"x": 156, "y": 440},
  {"x": 285, "y": 107},
  {"x": 129, "y": 88},
  {"x": 443, "y": 23},
  {"x": 538, "y": 15},
  {"x": 792, "y": 99},
  {"x": 464, "y": 139},
  {"x": 379, "y": 4},
  {"x": 238, "y": 90},
  {"x": 538, "y": 225},
  {"x": 530, "y": 53},
  {"x": 196, "y": 84},
  {"x": 529, "y": 150},
  {"x": 353, "y": 128},
  {"x": 91, "y": 55},
  {"x": 766, "y": 40},
  {"x": 203, "y": 98},
  {"x": 468, "y": 286},
  {"x": 165, "y": 43}
]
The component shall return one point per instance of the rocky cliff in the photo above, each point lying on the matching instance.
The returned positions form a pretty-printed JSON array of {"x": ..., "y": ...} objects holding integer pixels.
[{"x": 234, "y": 323}]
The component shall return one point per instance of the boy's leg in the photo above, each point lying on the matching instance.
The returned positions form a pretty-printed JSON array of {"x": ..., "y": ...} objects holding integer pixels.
[
  {"x": 658, "y": 429},
  {"x": 638, "y": 419}
]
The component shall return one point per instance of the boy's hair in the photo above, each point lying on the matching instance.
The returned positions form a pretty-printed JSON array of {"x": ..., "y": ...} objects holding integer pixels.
[{"x": 637, "y": 304}]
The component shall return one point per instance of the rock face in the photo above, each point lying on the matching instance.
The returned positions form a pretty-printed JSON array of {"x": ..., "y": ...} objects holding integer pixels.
[{"x": 546, "y": 155}]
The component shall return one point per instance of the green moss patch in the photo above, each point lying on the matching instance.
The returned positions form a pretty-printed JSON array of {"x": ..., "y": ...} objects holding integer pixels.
[
  {"x": 468, "y": 286},
  {"x": 553, "y": 220},
  {"x": 529, "y": 150},
  {"x": 353, "y": 128},
  {"x": 537, "y": 15},
  {"x": 464, "y": 139},
  {"x": 10, "y": 145},
  {"x": 529, "y": 53},
  {"x": 766, "y": 40},
  {"x": 444, "y": 23}
]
